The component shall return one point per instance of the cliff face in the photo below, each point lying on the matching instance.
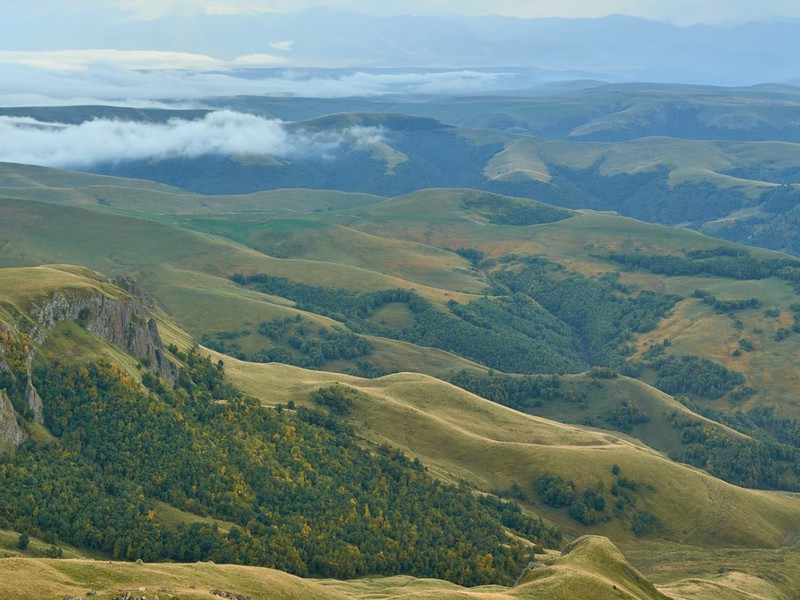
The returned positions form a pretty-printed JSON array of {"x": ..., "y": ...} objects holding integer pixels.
[
  {"x": 11, "y": 434},
  {"x": 126, "y": 324},
  {"x": 34, "y": 401}
]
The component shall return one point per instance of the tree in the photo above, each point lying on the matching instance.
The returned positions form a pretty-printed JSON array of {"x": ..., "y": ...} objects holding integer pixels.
[{"x": 23, "y": 541}]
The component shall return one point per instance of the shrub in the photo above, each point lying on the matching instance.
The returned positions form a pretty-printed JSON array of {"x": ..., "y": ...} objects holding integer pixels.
[{"x": 644, "y": 523}]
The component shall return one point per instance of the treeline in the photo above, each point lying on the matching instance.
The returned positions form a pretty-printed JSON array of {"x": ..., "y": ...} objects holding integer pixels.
[
  {"x": 694, "y": 375},
  {"x": 537, "y": 318},
  {"x": 601, "y": 318},
  {"x": 296, "y": 343},
  {"x": 505, "y": 211},
  {"x": 510, "y": 333},
  {"x": 726, "y": 306},
  {"x": 516, "y": 392},
  {"x": 594, "y": 505},
  {"x": 723, "y": 261},
  {"x": 300, "y": 493},
  {"x": 758, "y": 462}
]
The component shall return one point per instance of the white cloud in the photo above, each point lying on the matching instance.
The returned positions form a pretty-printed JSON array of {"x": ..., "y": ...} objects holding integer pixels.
[
  {"x": 29, "y": 141},
  {"x": 283, "y": 46},
  {"x": 81, "y": 60},
  {"x": 86, "y": 82}
]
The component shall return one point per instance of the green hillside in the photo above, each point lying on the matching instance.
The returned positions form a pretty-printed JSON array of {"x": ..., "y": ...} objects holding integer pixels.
[
  {"x": 625, "y": 371},
  {"x": 457, "y": 436},
  {"x": 721, "y": 160},
  {"x": 592, "y": 566}
]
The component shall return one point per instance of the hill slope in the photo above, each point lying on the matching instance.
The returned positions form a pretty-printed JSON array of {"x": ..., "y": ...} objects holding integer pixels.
[{"x": 592, "y": 565}]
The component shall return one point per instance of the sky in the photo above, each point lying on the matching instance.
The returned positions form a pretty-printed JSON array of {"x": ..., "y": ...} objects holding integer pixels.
[
  {"x": 142, "y": 52},
  {"x": 676, "y": 11}
]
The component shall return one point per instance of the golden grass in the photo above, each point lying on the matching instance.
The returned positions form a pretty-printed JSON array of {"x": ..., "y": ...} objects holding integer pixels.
[
  {"x": 461, "y": 436},
  {"x": 23, "y": 286},
  {"x": 518, "y": 161},
  {"x": 606, "y": 395},
  {"x": 330, "y": 243},
  {"x": 593, "y": 569}
]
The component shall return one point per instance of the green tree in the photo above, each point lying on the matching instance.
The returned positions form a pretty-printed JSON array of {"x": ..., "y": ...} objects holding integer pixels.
[{"x": 23, "y": 541}]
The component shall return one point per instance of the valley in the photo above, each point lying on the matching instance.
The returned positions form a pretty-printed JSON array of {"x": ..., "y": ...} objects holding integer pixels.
[{"x": 461, "y": 348}]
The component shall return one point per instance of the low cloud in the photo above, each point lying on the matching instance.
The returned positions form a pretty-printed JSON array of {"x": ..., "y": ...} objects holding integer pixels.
[
  {"x": 29, "y": 141},
  {"x": 110, "y": 77},
  {"x": 83, "y": 60}
]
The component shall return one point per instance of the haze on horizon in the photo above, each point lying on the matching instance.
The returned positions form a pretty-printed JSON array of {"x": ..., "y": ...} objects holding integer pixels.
[
  {"x": 681, "y": 12},
  {"x": 146, "y": 52}
]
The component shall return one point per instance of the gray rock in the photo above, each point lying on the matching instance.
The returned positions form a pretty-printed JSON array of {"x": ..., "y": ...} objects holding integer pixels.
[
  {"x": 126, "y": 324},
  {"x": 34, "y": 402},
  {"x": 11, "y": 435}
]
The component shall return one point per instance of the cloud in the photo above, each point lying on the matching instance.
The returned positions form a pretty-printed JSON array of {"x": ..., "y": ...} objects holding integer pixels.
[
  {"x": 30, "y": 141},
  {"x": 256, "y": 60},
  {"x": 151, "y": 60},
  {"x": 283, "y": 46},
  {"x": 73, "y": 78}
]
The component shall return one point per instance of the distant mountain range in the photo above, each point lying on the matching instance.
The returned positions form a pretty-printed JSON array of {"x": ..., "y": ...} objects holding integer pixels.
[
  {"x": 722, "y": 161},
  {"x": 615, "y": 48}
]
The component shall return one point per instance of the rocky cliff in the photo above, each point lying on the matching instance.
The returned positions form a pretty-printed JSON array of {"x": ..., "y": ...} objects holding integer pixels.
[
  {"x": 124, "y": 321},
  {"x": 126, "y": 324},
  {"x": 11, "y": 434}
]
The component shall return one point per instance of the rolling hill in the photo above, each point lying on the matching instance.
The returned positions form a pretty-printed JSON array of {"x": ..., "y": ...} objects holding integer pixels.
[
  {"x": 415, "y": 413},
  {"x": 487, "y": 446},
  {"x": 719, "y": 160},
  {"x": 425, "y": 283}
]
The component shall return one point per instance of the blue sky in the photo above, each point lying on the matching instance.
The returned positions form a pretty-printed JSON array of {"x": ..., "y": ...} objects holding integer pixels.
[
  {"x": 143, "y": 51},
  {"x": 676, "y": 11}
]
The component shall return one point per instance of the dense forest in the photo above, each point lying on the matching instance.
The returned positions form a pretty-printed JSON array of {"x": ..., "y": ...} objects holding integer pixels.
[
  {"x": 510, "y": 333},
  {"x": 600, "y": 315},
  {"x": 537, "y": 318},
  {"x": 293, "y": 341},
  {"x": 723, "y": 261},
  {"x": 291, "y": 489}
]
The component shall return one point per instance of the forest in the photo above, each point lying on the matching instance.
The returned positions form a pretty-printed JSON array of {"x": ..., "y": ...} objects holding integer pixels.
[
  {"x": 289, "y": 489},
  {"x": 536, "y": 318}
]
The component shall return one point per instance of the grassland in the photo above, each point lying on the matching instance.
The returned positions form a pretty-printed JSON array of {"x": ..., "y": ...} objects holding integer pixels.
[
  {"x": 20, "y": 287},
  {"x": 464, "y": 437},
  {"x": 362, "y": 244},
  {"x": 36, "y": 548},
  {"x": 715, "y": 540},
  {"x": 461, "y": 437},
  {"x": 602, "y": 397},
  {"x": 592, "y": 568}
]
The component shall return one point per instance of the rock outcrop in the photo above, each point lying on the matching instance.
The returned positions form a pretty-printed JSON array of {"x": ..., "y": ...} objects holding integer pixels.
[
  {"x": 126, "y": 324},
  {"x": 34, "y": 402},
  {"x": 11, "y": 435}
]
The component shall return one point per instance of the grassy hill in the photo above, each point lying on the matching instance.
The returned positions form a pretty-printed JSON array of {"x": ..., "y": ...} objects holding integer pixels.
[
  {"x": 592, "y": 566},
  {"x": 462, "y": 437},
  {"x": 721, "y": 161},
  {"x": 606, "y": 356},
  {"x": 406, "y": 242}
]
